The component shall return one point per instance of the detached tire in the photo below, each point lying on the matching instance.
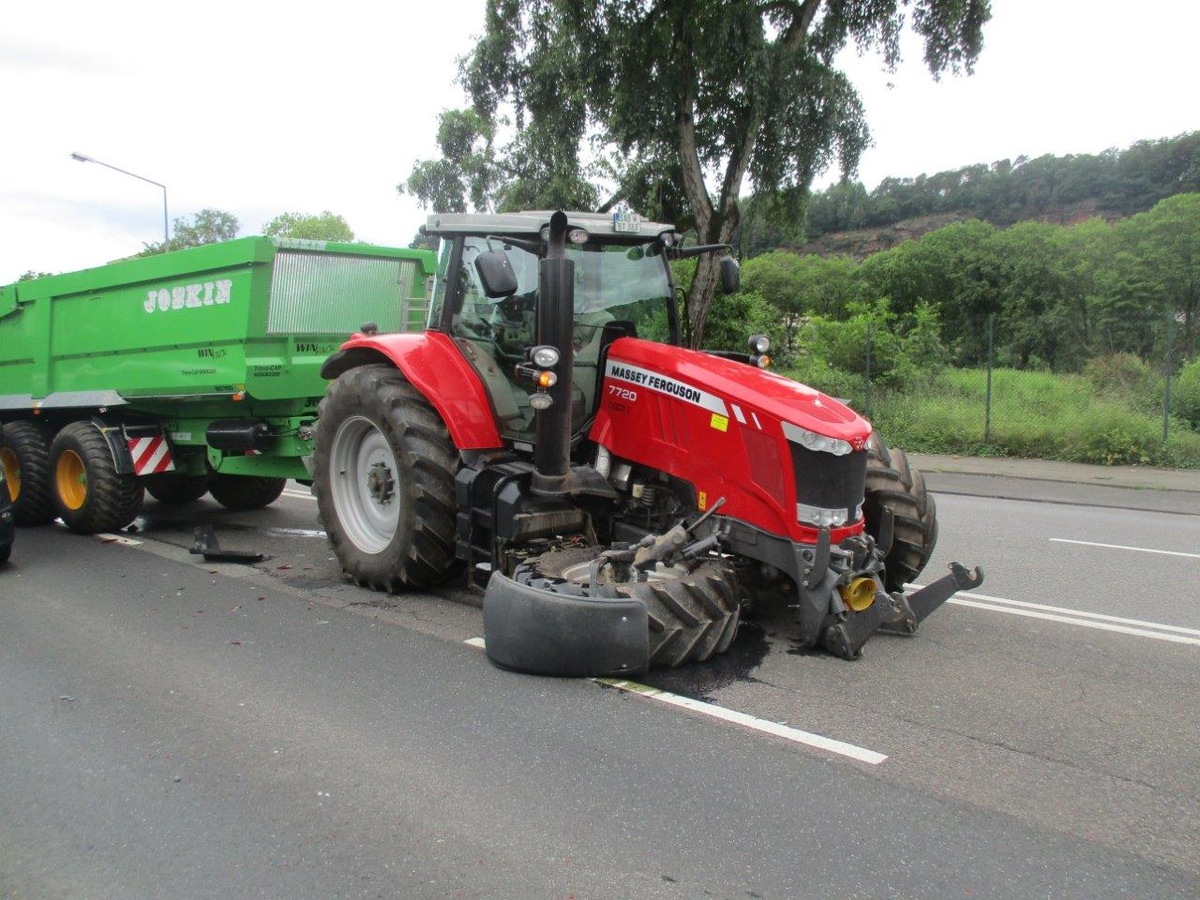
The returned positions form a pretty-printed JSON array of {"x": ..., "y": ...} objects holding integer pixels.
[
  {"x": 893, "y": 486},
  {"x": 693, "y": 612},
  {"x": 244, "y": 492},
  {"x": 384, "y": 481},
  {"x": 89, "y": 495},
  {"x": 25, "y": 455},
  {"x": 176, "y": 490}
]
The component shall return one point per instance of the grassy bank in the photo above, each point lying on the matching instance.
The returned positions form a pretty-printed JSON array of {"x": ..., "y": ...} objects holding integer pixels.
[{"x": 1033, "y": 414}]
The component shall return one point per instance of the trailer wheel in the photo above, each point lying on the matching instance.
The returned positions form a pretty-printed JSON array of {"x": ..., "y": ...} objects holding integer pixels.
[
  {"x": 893, "y": 485},
  {"x": 175, "y": 490},
  {"x": 25, "y": 455},
  {"x": 245, "y": 492},
  {"x": 693, "y": 611},
  {"x": 89, "y": 495},
  {"x": 384, "y": 481}
]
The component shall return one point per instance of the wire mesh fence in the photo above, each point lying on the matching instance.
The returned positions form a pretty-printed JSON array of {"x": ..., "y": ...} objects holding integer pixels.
[{"x": 1117, "y": 409}]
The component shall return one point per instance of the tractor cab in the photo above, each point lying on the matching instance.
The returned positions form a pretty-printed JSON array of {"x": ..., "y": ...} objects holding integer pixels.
[{"x": 486, "y": 297}]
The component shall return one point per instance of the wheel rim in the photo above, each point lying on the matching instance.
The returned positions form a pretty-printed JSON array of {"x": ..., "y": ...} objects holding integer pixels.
[
  {"x": 70, "y": 478},
  {"x": 581, "y": 573},
  {"x": 364, "y": 484},
  {"x": 12, "y": 473}
]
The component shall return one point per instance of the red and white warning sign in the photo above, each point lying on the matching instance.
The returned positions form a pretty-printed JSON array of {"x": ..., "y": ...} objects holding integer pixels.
[{"x": 151, "y": 455}]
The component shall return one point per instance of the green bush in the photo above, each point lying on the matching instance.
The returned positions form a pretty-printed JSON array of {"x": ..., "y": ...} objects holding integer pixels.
[
  {"x": 1125, "y": 375},
  {"x": 1186, "y": 393}
]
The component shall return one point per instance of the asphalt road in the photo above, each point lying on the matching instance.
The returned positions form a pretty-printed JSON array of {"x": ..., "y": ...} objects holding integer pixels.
[{"x": 176, "y": 728}]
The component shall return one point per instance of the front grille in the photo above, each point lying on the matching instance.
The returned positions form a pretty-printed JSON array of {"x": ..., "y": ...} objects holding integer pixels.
[{"x": 830, "y": 482}]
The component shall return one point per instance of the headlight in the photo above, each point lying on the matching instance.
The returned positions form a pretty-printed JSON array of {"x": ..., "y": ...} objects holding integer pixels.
[
  {"x": 814, "y": 441},
  {"x": 545, "y": 356},
  {"x": 759, "y": 343}
]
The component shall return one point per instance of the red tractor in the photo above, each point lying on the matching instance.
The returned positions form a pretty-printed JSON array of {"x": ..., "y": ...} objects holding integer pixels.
[{"x": 618, "y": 497}]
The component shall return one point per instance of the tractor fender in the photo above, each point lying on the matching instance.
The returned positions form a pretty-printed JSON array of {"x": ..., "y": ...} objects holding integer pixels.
[
  {"x": 435, "y": 367},
  {"x": 545, "y": 633}
]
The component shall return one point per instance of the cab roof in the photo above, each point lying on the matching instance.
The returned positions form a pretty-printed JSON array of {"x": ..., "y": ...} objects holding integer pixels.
[{"x": 531, "y": 223}]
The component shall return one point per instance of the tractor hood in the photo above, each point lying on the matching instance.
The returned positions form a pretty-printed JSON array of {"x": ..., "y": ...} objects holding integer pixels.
[{"x": 737, "y": 392}]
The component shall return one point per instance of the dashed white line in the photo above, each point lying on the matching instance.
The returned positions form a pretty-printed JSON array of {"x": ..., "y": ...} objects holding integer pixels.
[
  {"x": 820, "y": 742},
  {"x": 1123, "y": 547}
]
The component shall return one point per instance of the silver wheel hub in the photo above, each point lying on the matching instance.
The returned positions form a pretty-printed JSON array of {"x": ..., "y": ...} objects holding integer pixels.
[{"x": 363, "y": 484}]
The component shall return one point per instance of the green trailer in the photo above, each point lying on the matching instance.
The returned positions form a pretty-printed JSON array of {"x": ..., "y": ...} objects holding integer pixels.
[{"x": 189, "y": 372}]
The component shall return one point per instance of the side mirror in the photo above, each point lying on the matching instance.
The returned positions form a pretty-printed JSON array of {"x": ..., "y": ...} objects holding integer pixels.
[
  {"x": 731, "y": 275},
  {"x": 496, "y": 274}
]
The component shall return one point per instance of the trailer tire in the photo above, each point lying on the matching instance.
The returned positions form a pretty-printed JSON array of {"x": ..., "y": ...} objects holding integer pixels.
[
  {"x": 693, "y": 611},
  {"x": 893, "y": 485},
  {"x": 25, "y": 455},
  {"x": 384, "y": 469},
  {"x": 245, "y": 492},
  {"x": 89, "y": 495},
  {"x": 176, "y": 490}
]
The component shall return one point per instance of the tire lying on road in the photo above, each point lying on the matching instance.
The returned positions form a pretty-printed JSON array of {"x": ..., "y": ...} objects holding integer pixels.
[{"x": 692, "y": 610}]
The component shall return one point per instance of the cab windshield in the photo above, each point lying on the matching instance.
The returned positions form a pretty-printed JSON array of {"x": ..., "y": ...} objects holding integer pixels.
[{"x": 625, "y": 282}]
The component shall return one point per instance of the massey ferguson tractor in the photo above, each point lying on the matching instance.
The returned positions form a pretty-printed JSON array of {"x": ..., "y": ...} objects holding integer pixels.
[{"x": 619, "y": 498}]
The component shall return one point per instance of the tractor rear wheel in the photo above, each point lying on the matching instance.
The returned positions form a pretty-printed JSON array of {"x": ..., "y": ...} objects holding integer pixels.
[
  {"x": 175, "y": 490},
  {"x": 89, "y": 495},
  {"x": 693, "y": 609},
  {"x": 25, "y": 455},
  {"x": 893, "y": 486},
  {"x": 243, "y": 492},
  {"x": 384, "y": 481}
]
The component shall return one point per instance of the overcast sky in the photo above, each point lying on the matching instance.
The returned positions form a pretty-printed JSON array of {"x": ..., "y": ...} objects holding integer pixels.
[{"x": 260, "y": 109}]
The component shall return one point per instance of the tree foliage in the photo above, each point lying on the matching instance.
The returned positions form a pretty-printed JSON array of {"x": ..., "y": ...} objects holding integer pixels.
[
  {"x": 678, "y": 104},
  {"x": 1119, "y": 183},
  {"x": 205, "y": 227},
  {"x": 323, "y": 227},
  {"x": 1042, "y": 296}
]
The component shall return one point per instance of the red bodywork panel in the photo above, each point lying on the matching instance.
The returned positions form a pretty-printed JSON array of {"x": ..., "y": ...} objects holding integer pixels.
[
  {"x": 437, "y": 368},
  {"x": 718, "y": 424}
]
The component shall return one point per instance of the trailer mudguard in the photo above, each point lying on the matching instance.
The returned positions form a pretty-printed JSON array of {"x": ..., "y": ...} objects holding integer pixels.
[{"x": 435, "y": 367}]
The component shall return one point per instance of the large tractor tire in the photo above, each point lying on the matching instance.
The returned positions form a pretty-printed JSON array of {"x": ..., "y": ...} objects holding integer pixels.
[
  {"x": 245, "y": 492},
  {"x": 176, "y": 490},
  {"x": 384, "y": 481},
  {"x": 89, "y": 495},
  {"x": 693, "y": 611},
  {"x": 893, "y": 486},
  {"x": 25, "y": 455}
]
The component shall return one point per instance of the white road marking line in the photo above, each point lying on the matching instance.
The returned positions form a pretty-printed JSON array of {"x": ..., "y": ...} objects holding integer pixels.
[
  {"x": 754, "y": 723},
  {"x": 1122, "y": 547},
  {"x": 1071, "y": 620},
  {"x": 1137, "y": 623},
  {"x": 303, "y": 495}
]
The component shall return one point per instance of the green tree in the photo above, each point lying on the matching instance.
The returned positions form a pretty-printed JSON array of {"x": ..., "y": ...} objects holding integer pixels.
[
  {"x": 1168, "y": 239},
  {"x": 467, "y": 171},
  {"x": 323, "y": 227},
  {"x": 684, "y": 100},
  {"x": 209, "y": 226}
]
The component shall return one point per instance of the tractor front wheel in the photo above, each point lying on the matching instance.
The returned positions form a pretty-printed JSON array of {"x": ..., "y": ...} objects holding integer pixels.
[
  {"x": 384, "y": 481},
  {"x": 892, "y": 486},
  {"x": 89, "y": 495},
  {"x": 693, "y": 610}
]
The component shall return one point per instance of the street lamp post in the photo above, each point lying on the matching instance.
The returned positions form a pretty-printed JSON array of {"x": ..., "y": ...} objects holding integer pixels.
[{"x": 166, "y": 232}]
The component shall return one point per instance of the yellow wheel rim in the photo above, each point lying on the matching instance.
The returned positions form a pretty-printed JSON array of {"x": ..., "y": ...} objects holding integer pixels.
[
  {"x": 12, "y": 473},
  {"x": 70, "y": 477}
]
